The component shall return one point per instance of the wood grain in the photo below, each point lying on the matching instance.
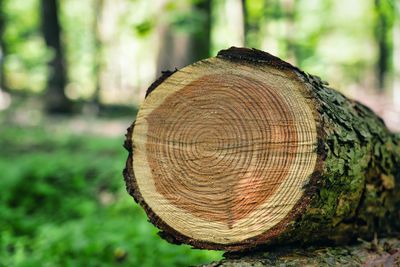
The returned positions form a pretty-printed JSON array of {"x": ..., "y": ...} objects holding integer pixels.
[{"x": 222, "y": 151}]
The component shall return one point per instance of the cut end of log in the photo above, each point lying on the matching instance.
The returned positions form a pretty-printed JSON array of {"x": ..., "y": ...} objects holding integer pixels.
[{"x": 222, "y": 151}]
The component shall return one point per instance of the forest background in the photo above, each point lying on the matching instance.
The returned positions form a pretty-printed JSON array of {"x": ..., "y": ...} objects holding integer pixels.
[{"x": 73, "y": 73}]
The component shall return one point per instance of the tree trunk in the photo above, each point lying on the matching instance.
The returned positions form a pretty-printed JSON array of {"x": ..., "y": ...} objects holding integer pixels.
[
  {"x": 246, "y": 23},
  {"x": 396, "y": 54},
  {"x": 2, "y": 47},
  {"x": 385, "y": 13},
  {"x": 56, "y": 101},
  {"x": 98, "y": 51},
  {"x": 252, "y": 22},
  {"x": 202, "y": 38},
  {"x": 289, "y": 7},
  {"x": 246, "y": 149},
  {"x": 177, "y": 48},
  {"x": 5, "y": 99}
]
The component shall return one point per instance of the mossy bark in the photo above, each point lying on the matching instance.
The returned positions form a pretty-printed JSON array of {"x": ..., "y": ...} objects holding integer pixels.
[{"x": 358, "y": 193}]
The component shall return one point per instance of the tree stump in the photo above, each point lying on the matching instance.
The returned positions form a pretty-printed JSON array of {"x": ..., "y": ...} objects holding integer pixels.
[{"x": 246, "y": 149}]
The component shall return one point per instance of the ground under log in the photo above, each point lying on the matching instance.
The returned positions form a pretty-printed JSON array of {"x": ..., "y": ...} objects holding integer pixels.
[
  {"x": 245, "y": 149},
  {"x": 378, "y": 252}
]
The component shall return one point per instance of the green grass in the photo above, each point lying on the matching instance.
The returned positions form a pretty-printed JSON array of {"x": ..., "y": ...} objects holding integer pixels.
[{"x": 63, "y": 203}]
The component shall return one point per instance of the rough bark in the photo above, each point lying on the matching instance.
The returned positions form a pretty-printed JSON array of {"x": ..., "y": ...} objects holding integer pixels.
[
  {"x": 289, "y": 7},
  {"x": 56, "y": 100},
  {"x": 352, "y": 191}
]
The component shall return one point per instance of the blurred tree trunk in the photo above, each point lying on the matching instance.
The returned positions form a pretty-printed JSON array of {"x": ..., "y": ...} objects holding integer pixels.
[
  {"x": 396, "y": 55},
  {"x": 2, "y": 47},
  {"x": 174, "y": 49},
  {"x": 56, "y": 100},
  {"x": 98, "y": 58},
  {"x": 252, "y": 30},
  {"x": 201, "y": 39},
  {"x": 246, "y": 23},
  {"x": 181, "y": 48},
  {"x": 382, "y": 29},
  {"x": 289, "y": 7}
]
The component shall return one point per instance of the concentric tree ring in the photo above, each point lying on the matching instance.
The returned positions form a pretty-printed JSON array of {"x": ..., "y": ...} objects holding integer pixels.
[{"x": 222, "y": 156}]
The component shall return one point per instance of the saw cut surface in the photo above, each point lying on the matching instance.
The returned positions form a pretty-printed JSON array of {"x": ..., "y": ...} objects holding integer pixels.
[
  {"x": 214, "y": 149},
  {"x": 222, "y": 156}
]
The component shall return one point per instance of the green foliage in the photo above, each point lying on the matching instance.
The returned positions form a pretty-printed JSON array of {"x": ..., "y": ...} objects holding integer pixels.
[
  {"x": 63, "y": 203},
  {"x": 25, "y": 64},
  {"x": 112, "y": 46},
  {"x": 144, "y": 28}
]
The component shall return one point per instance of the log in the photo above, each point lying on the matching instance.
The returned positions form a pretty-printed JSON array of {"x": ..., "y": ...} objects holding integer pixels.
[{"x": 245, "y": 149}]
